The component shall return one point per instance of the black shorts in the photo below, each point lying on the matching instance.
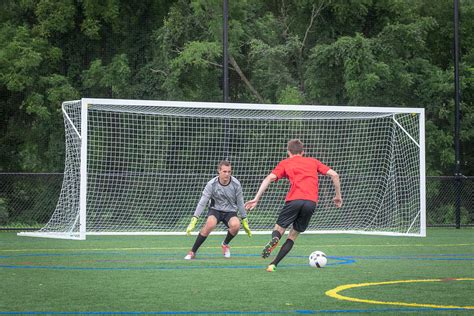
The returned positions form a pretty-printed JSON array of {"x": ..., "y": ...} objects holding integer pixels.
[
  {"x": 298, "y": 213},
  {"x": 222, "y": 216}
]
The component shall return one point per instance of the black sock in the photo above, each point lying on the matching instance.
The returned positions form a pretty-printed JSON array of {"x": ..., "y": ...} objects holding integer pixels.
[
  {"x": 276, "y": 233},
  {"x": 228, "y": 238},
  {"x": 199, "y": 240},
  {"x": 284, "y": 250}
]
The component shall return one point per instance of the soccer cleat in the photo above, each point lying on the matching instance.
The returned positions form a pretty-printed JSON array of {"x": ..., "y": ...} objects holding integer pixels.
[
  {"x": 226, "y": 250},
  {"x": 267, "y": 250},
  {"x": 271, "y": 268},
  {"x": 191, "y": 255}
]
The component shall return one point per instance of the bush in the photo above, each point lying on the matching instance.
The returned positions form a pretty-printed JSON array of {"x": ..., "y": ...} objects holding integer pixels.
[{"x": 3, "y": 212}]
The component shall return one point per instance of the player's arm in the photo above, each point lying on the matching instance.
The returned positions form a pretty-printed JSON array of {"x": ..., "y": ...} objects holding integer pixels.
[
  {"x": 239, "y": 195},
  {"x": 205, "y": 197},
  {"x": 337, "y": 186},
  {"x": 243, "y": 213},
  {"x": 239, "y": 199},
  {"x": 249, "y": 205}
]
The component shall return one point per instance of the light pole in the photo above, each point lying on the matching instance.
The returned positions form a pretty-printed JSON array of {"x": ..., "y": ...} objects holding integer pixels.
[
  {"x": 225, "y": 40},
  {"x": 225, "y": 76},
  {"x": 457, "y": 118}
]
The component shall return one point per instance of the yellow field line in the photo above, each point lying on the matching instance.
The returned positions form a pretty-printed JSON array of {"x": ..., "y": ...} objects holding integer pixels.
[
  {"x": 106, "y": 249},
  {"x": 334, "y": 293}
]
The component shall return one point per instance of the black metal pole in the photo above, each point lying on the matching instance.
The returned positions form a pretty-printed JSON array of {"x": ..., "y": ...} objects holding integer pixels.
[
  {"x": 226, "y": 55},
  {"x": 225, "y": 40},
  {"x": 457, "y": 117}
]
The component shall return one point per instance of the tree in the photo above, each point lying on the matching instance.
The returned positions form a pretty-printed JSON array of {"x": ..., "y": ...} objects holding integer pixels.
[
  {"x": 25, "y": 78},
  {"x": 361, "y": 52},
  {"x": 63, "y": 50}
]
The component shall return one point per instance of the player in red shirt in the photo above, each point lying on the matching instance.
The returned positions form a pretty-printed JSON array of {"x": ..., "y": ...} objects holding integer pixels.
[{"x": 301, "y": 199}]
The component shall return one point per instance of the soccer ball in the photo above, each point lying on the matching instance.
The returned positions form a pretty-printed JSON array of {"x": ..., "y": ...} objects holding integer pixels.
[{"x": 318, "y": 259}]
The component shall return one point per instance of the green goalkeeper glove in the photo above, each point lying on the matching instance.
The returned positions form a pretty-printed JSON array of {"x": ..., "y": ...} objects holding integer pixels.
[
  {"x": 245, "y": 224},
  {"x": 191, "y": 225}
]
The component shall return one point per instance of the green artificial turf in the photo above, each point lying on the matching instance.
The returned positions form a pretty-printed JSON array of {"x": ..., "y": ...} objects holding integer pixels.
[{"x": 143, "y": 275}]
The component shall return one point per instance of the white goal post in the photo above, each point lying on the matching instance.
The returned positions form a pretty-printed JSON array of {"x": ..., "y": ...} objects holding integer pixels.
[{"x": 139, "y": 167}]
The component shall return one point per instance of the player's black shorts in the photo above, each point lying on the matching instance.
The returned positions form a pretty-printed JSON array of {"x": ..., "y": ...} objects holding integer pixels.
[
  {"x": 222, "y": 216},
  {"x": 298, "y": 213}
]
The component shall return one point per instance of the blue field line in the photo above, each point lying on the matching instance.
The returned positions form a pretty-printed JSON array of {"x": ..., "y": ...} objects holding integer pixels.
[
  {"x": 80, "y": 254},
  {"x": 440, "y": 257},
  {"x": 294, "y": 312},
  {"x": 128, "y": 268},
  {"x": 346, "y": 261},
  {"x": 174, "y": 257},
  {"x": 335, "y": 261}
]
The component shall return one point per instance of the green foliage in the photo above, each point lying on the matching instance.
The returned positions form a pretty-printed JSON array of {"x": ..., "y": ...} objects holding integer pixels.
[
  {"x": 96, "y": 13},
  {"x": 3, "y": 212},
  {"x": 20, "y": 58},
  {"x": 271, "y": 73},
  {"x": 363, "y": 52},
  {"x": 55, "y": 16},
  {"x": 291, "y": 95},
  {"x": 108, "y": 81},
  {"x": 190, "y": 64}
]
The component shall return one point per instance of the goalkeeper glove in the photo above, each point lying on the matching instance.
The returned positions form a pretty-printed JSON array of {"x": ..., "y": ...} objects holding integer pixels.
[
  {"x": 245, "y": 224},
  {"x": 191, "y": 225}
]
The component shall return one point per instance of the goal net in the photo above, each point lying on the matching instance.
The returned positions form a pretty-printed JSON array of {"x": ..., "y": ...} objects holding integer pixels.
[{"x": 139, "y": 167}]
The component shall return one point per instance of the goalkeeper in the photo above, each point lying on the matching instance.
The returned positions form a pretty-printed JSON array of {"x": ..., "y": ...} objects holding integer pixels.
[{"x": 224, "y": 193}]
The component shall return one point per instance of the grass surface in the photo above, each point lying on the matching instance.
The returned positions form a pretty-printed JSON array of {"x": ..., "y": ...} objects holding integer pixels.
[{"x": 147, "y": 275}]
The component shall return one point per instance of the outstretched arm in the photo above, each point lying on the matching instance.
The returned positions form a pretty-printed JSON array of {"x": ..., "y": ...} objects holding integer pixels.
[
  {"x": 337, "y": 186},
  {"x": 263, "y": 187},
  {"x": 205, "y": 197}
]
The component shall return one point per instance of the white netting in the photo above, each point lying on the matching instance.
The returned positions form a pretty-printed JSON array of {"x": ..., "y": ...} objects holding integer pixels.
[{"x": 148, "y": 164}]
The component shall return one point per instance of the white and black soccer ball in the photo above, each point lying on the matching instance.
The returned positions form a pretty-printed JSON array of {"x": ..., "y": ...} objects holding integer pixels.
[{"x": 318, "y": 259}]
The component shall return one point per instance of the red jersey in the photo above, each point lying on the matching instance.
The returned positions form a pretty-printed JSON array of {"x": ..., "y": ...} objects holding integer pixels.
[{"x": 303, "y": 175}]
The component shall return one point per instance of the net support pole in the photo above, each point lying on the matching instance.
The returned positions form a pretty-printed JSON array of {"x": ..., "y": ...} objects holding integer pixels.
[
  {"x": 457, "y": 118},
  {"x": 83, "y": 171},
  {"x": 422, "y": 174}
]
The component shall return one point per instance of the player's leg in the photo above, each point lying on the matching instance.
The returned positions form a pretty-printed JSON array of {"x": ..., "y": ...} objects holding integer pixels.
[
  {"x": 299, "y": 225},
  {"x": 277, "y": 232},
  {"x": 286, "y": 247},
  {"x": 233, "y": 225},
  {"x": 286, "y": 217},
  {"x": 211, "y": 223}
]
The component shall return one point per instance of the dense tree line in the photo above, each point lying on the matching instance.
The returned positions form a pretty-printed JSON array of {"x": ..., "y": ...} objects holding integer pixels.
[{"x": 337, "y": 52}]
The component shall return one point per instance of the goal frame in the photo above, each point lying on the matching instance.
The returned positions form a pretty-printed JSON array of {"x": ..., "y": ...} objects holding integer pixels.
[{"x": 83, "y": 135}]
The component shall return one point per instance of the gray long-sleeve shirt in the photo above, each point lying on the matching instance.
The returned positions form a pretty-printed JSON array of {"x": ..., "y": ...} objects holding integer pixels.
[{"x": 224, "y": 198}]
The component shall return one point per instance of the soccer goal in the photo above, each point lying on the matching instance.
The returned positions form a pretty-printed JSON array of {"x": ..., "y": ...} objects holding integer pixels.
[{"x": 139, "y": 167}]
